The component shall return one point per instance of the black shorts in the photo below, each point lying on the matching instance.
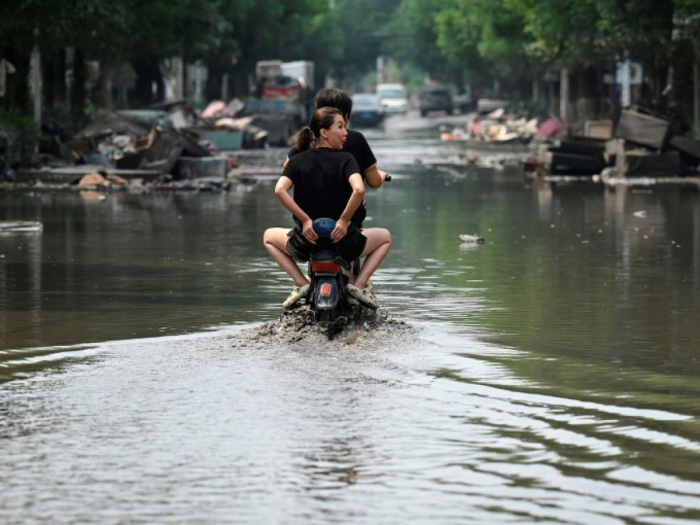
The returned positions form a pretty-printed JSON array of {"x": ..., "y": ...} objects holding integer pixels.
[
  {"x": 360, "y": 215},
  {"x": 350, "y": 246}
]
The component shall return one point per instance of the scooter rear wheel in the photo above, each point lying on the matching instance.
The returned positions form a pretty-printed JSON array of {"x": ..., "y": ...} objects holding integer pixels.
[{"x": 324, "y": 316}]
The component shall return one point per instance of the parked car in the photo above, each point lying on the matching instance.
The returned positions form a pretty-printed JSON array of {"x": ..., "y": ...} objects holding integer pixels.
[
  {"x": 393, "y": 98},
  {"x": 434, "y": 99},
  {"x": 367, "y": 109},
  {"x": 464, "y": 101}
]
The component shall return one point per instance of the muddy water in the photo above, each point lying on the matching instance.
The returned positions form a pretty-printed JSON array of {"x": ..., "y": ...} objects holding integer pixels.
[{"x": 551, "y": 374}]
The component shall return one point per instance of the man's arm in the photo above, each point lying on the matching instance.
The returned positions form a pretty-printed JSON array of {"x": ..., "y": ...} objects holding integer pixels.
[
  {"x": 367, "y": 161},
  {"x": 284, "y": 184},
  {"x": 374, "y": 177}
]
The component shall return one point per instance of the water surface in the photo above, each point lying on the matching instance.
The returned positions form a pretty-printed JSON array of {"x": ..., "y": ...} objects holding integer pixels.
[{"x": 550, "y": 375}]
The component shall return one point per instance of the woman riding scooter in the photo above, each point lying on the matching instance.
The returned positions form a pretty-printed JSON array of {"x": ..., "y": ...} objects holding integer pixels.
[{"x": 327, "y": 183}]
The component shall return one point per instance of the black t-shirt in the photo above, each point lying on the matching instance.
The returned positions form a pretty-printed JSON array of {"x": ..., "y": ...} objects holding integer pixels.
[
  {"x": 356, "y": 144},
  {"x": 320, "y": 178}
]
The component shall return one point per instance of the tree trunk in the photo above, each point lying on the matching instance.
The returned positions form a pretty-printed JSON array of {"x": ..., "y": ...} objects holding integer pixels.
[
  {"x": 16, "y": 84},
  {"x": 186, "y": 93},
  {"x": 49, "y": 74},
  {"x": 550, "y": 97},
  {"x": 104, "y": 94},
  {"x": 564, "y": 94},
  {"x": 77, "y": 99},
  {"x": 224, "y": 87},
  {"x": 54, "y": 74},
  {"x": 160, "y": 83},
  {"x": 536, "y": 89},
  {"x": 177, "y": 76},
  {"x": 696, "y": 85},
  {"x": 37, "y": 85},
  {"x": 61, "y": 90},
  {"x": 144, "y": 80}
]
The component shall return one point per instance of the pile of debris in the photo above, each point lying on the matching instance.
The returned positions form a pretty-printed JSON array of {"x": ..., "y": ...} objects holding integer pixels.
[
  {"x": 640, "y": 144},
  {"x": 496, "y": 127},
  {"x": 224, "y": 128},
  {"x": 168, "y": 143}
]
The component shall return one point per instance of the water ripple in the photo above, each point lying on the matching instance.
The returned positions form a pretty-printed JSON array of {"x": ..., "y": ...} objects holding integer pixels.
[{"x": 133, "y": 430}]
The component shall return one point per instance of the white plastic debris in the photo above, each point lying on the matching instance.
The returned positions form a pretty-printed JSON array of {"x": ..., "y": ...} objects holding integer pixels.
[
  {"x": 471, "y": 239},
  {"x": 21, "y": 227}
]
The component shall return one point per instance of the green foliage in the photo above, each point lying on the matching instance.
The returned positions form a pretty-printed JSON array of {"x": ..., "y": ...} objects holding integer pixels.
[
  {"x": 16, "y": 125},
  {"x": 484, "y": 36},
  {"x": 418, "y": 18},
  {"x": 364, "y": 30},
  {"x": 562, "y": 31},
  {"x": 453, "y": 40},
  {"x": 512, "y": 39},
  {"x": 18, "y": 136}
]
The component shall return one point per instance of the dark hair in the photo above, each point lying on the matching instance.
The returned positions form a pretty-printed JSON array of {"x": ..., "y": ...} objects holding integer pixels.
[
  {"x": 334, "y": 98},
  {"x": 321, "y": 119}
]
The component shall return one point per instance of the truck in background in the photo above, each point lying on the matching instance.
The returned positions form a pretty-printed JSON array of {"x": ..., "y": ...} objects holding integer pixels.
[
  {"x": 304, "y": 71},
  {"x": 282, "y": 97}
]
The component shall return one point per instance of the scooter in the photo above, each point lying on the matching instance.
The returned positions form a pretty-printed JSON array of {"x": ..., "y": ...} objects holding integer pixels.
[{"x": 329, "y": 274}]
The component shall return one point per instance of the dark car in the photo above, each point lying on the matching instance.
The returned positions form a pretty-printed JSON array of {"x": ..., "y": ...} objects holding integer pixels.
[
  {"x": 434, "y": 99},
  {"x": 367, "y": 110},
  {"x": 464, "y": 101}
]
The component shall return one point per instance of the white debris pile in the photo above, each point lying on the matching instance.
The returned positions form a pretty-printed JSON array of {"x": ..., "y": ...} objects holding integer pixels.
[{"x": 498, "y": 127}]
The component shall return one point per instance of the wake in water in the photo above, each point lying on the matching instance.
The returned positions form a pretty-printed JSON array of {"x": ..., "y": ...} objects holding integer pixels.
[{"x": 299, "y": 325}]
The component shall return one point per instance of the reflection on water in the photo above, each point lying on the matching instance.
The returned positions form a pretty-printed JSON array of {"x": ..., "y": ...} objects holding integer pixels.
[{"x": 550, "y": 374}]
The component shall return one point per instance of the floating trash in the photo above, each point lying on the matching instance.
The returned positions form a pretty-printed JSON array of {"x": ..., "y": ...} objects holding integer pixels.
[
  {"x": 471, "y": 239},
  {"x": 21, "y": 227}
]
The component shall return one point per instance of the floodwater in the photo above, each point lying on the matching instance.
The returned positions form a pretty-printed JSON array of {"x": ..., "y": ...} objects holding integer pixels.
[{"x": 550, "y": 375}]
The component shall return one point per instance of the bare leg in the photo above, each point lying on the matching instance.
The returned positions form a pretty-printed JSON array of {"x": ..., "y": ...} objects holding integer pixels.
[
  {"x": 378, "y": 245},
  {"x": 275, "y": 240}
]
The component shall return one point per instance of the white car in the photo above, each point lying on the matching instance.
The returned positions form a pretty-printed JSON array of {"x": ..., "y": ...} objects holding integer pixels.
[{"x": 393, "y": 98}]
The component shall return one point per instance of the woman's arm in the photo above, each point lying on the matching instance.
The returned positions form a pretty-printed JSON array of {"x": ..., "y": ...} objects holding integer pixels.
[
  {"x": 284, "y": 184},
  {"x": 358, "y": 193}
]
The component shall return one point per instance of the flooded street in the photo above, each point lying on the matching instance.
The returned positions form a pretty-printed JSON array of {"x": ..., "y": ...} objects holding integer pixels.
[{"x": 549, "y": 375}]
